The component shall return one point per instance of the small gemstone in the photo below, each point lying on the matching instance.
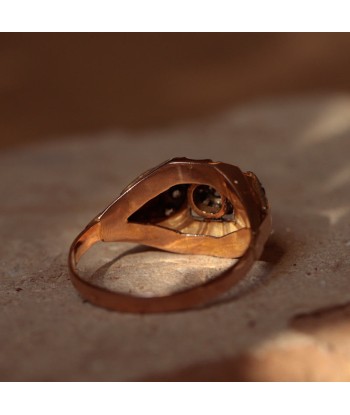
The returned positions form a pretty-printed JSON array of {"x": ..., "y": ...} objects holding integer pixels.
[{"x": 207, "y": 199}]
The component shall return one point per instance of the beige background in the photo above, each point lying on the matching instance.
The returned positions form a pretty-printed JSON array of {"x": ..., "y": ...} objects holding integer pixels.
[
  {"x": 82, "y": 114},
  {"x": 273, "y": 326}
]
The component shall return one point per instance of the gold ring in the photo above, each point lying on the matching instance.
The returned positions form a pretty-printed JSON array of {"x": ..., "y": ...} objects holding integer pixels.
[{"x": 183, "y": 206}]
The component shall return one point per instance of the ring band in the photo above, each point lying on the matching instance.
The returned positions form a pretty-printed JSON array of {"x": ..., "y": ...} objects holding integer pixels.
[{"x": 183, "y": 206}]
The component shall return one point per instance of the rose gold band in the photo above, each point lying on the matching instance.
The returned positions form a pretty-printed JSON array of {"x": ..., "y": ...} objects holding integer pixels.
[{"x": 242, "y": 236}]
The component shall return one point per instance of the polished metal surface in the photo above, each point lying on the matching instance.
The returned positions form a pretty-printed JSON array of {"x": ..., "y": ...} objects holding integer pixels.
[{"x": 184, "y": 206}]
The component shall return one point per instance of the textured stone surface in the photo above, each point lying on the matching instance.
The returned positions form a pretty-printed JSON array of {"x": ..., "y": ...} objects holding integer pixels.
[{"x": 300, "y": 150}]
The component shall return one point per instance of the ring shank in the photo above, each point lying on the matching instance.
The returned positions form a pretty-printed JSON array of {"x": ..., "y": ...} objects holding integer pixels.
[{"x": 189, "y": 298}]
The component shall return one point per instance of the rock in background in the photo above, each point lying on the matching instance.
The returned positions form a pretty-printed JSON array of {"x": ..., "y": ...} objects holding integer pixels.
[{"x": 288, "y": 319}]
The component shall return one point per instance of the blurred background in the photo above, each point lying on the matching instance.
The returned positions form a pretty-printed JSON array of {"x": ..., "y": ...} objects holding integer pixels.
[
  {"x": 113, "y": 91},
  {"x": 56, "y": 85}
]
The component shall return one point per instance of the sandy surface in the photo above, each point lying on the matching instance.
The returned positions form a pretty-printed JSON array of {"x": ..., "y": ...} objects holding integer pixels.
[{"x": 300, "y": 150}]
